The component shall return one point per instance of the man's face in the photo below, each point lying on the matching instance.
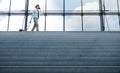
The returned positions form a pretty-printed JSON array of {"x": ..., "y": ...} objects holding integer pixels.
[{"x": 38, "y": 7}]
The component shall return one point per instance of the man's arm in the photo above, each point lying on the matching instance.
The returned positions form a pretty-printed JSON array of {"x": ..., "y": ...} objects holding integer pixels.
[{"x": 32, "y": 16}]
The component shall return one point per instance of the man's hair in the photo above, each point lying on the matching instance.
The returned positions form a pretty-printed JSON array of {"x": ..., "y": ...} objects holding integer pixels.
[{"x": 36, "y": 6}]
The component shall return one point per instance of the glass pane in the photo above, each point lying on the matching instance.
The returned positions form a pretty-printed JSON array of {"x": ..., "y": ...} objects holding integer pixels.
[
  {"x": 4, "y": 5},
  {"x": 3, "y": 23},
  {"x": 16, "y": 23},
  {"x": 91, "y": 5},
  {"x": 18, "y": 5},
  {"x": 110, "y": 4},
  {"x": 73, "y": 23},
  {"x": 41, "y": 23},
  {"x": 72, "y": 5},
  {"x": 91, "y": 23},
  {"x": 54, "y": 4},
  {"x": 119, "y": 4},
  {"x": 32, "y": 4},
  {"x": 111, "y": 23},
  {"x": 54, "y": 23}
]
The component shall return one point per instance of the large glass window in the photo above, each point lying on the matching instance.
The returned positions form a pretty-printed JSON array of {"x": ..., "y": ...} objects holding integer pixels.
[
  {"x": 54, "y": 4},
  {"x": 16, "y": 23},
  {"x": 73, "y": 23},
  {"x": 4, "y": 5},
  {"x": 53, "y": 19},
  {"x": 110, "y": 4},
  {"x": 91, "y": 5},
  {"x": 119, "y": 4},
  {"x": 54, "y": 23},
  {"x": 73, "y": 5},
  {"x": 111, "y": 23},
  {"x": 17, "y": 5},
  {"x": 3, "y": 23},
  {"x": 91, "y": 23}
]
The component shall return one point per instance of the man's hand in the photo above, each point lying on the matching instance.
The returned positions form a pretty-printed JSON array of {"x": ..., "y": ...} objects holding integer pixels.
[{"x": 30, "y": 22}]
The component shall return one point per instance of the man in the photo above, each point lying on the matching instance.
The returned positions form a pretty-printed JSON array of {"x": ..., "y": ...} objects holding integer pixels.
[{"x": 35, "y": 17}]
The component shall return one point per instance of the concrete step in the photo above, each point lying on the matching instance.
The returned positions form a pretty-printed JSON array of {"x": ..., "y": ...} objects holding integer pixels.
[{"x": 59, "y": 52}]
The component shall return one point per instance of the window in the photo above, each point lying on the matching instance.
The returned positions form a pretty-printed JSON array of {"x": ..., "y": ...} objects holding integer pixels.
[
  {"x": 4, "y": 5},
  {"x": 17, "y": 5},
  {"x": 91, "y": 5},
  {"x": 119, "y": 4},
  {"x": 16, "y": 23},
  {"x": 111, "y": 23},
  {"x": 91, "y": 23},
  {"x": 73, "y": 23},
  {"x": 3, "y": 23},
  {"x": 110, "y": 4},
  {"x": 54, "y": 23},
  {"x": 73, "y": 5},
  {"x": 54, "y": 4},
  {"x": 53, "y": 19}
]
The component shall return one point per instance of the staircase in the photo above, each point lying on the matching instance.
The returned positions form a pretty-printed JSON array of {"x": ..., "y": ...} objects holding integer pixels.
[{"x": 59, "y": 52}]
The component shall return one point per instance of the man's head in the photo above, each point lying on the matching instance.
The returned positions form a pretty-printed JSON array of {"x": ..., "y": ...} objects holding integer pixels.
[{"x": 37, "y": 6}]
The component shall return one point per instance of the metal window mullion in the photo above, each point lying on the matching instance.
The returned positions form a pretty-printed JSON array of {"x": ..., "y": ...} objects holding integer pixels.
[
  {"x": 45, "y": 14},
  {"x": 63, "y": 15},
  {"x": 119, "y": 19},
  {"x": 82, "y": 15},
  {"x": 101, "y": 16},
  {"x": 118, "y": 12},
  {"x": 9, "y": 13},
  {"x": 26, "y": 14}
]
